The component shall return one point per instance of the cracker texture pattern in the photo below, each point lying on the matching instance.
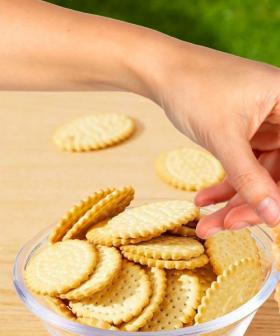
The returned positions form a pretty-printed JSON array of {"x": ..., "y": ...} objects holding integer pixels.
[
  {"x": 227, "y": 247},
  {"x": 158, "y": 281},
  {"x": 124, "y": 299},
  {"x": 149, "y": 220},
  {"x": 189, "y": 169},
  {"x": 60, "y": 267},
  {"x": 107, "y": 268},
  {"x": 192, "y": 263},
  {"x": 178, "y": 307},
  {"x": 74, "y": 214},
  {"x": 235, "y": 286},
  {"x": 94, "y": 132},
  {"x": 167, "y": 247},
  {"x": 57, "y": 305}
]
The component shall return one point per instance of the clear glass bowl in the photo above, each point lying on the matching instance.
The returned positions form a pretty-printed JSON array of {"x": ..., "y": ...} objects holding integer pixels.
[{"x": 233, "y": 324}]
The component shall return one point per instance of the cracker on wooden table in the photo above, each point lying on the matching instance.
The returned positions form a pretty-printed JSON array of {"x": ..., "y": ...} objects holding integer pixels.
[
  {"x": 60, "y": 267},
  {"x": 189, "y": 169},
  {"x": 59, "y": 307},
  {"x": 184, "y": 231},
  {"x": 227, "y": 247},
  {"x": 158, "y": 281},
  {"x": 234, "y": 287},
  {"x": 149, "y": 220},
  {"x": 94, "y": 132},
  {"x": 167, "y": 247},
  {"x": 192, "y": 263},
  {"x": 178, "y": 307},
  {"x": 92, "y": 322},
  {"x": 107, "y": 268},
  {"x": 105, "y": 208},
  {"x": 124, "y": 299},
  {"x": 74, "y": 214}
]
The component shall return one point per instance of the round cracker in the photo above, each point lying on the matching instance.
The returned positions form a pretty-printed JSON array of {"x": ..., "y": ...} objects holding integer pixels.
[
  {"x": 107, "y": 268},
  {"x": 189, "y": 169},
  {"x": 178, "y": 307},
  {"x": 192, "y": 263},
  {"x": 58, "y": 305},
  {"x": 234, "y": 287},
  {"x": 158, "y": 281},
  {"x": 149, "y": 220},
  {"x": 60, "y": 267},
  {"x": 124, "y": 299},
  {"x": 94, "y": 132},
  {"x": 184, "y": 231},
  {"x": 75, "y": 213},
  {"x": 227, "y": 247},
  {"x": 108, "y": 206},
  {"x": 167, "y": 247},
  {"x": 205, "y": 275}
]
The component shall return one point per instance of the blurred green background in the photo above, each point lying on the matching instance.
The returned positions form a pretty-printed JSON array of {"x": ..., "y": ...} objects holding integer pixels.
[{"x": 247, "y": 28}]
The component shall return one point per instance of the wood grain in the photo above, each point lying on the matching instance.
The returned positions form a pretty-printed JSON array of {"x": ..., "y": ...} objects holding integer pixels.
[{"x": 38, "y": 182}]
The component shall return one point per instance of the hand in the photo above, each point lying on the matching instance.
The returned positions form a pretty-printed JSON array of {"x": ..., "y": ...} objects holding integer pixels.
[{"x": 230, "y": 106}]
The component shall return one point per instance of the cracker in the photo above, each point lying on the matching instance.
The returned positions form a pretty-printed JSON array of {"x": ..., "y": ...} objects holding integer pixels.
[
  {"x": 124, "y": 299},
  {"x": 107, "y": 268},
  {"x": 92, "y": 322},
  {"x": 234, "y": 287},
  {"x": 60, "y": 267},
  {"x": 94, "y": 132},
  {"x": 158, "y": 281},
  {"x": 205, "y": 275},
  {"x": 189, "y": 169},
  {"x": 149, "y": 220},
  {"x": 192, "y": 263},
  {"x": 60, "y": 307},
  {"x": 184, "y": 231},
  {"x": 182, "y": 297},
  {"x": 227, "y": 247},
  {"x": 167, "y": 247},
  {"x": 103, "y": 209},
  {"x": 74, "y": 214}
]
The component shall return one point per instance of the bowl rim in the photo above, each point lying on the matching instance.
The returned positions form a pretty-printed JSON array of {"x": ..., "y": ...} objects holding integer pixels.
[{"x": 49, "y": 316}]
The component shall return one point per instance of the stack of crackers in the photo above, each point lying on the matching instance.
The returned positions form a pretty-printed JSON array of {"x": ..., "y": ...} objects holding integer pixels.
[{"x": 142, "y": 268}]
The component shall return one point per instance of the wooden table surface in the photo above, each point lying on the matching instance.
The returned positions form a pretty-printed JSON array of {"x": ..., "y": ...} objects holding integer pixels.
[{"x": 38, "y": 182}]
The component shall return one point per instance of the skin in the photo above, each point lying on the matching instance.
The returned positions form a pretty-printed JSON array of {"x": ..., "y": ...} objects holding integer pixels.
[{"x": 227, "y": 104}]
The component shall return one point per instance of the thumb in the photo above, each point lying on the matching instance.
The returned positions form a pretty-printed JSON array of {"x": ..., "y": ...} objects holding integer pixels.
[{"x": 252, "y": 182}]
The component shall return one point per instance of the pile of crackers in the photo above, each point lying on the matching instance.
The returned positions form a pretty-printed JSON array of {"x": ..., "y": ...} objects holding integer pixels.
[{"x": 142, "y": 268}]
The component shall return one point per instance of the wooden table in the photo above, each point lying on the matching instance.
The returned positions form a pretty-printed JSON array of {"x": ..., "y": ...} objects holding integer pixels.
[{"x": 38, "y": 182}]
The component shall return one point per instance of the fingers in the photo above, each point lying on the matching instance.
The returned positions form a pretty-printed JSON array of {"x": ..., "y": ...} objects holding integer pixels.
[
  {"x": 216, "y": 194},
  {"x": 249, "y": 178}
]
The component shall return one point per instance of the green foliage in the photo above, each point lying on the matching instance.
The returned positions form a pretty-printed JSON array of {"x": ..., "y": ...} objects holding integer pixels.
[{"x": 247, "y": 28}]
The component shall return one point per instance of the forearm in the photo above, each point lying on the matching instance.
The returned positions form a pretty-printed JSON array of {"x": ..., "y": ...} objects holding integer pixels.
[{"x": 43, "y": 46}]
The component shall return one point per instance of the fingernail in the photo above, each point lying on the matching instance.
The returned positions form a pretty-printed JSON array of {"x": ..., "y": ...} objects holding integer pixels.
[
  {"x": 239, "y": 225},
  {"x": 211, "y": 232},
  {"x": 269, "y": 211}
]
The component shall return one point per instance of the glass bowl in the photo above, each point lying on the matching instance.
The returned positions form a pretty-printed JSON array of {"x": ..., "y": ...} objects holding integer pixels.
[{"x": 233, "y": 324}]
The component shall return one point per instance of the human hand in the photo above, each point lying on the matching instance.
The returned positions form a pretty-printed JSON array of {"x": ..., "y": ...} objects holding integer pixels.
[{"x": 230, "y": 106}]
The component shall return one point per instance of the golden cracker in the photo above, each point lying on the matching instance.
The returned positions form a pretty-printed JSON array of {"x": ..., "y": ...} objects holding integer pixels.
[
  {"x": 92, "y": 322},
  {"x": 124, "y": 299},
  {"x": 158, "y": 281},
  {"x": 103, "y": 209},
  {"x": 59, "y": 307},
  {"x": 189, "y": 169},
  {"x": 74, "y": 214},
  {"x": 192, "y": 263},
  {"x": 184, "y": 231},
  {"x": 234, "y": 287},
  {"x": 107, "y": 268},
  {"x": 227, "y": 247},
  {"x": 149, "y": 220},
  {"x": 205, "y": 275},
  {"x": 167, "y": 247},
  {"x": 60, "y": 267},
  {"x": 94, "y": 132},
  {"x": 182, "y": 297}
]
